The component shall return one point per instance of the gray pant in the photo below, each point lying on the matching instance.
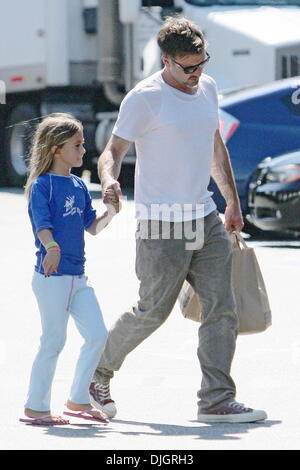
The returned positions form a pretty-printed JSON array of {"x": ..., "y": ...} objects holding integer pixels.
[{"x": 162, "y": 265}]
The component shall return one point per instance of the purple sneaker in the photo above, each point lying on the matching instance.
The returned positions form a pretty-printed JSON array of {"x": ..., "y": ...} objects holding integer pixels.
[
  {"x": 101, "y": 399},
  {"x": 232, "y": 412}
]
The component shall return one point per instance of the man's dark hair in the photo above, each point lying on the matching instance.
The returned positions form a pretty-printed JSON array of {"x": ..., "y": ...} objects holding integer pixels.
[{"x": 180, "y": 36}]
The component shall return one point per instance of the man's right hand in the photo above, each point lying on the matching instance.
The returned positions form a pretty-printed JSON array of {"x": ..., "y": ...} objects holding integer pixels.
[
  {"x": 109, "y": 167},
  {"x": 111, "y": 197}
]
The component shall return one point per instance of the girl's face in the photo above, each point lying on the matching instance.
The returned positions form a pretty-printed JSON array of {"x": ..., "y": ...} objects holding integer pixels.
[{"x": 70, "y": 154}]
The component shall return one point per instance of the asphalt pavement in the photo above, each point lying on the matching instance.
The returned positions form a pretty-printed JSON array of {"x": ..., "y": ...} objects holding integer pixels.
[{"x": 155, "y": 390}]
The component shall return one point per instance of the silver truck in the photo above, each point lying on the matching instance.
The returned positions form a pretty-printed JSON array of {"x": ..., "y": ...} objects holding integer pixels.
[{"x": 82, "y": 56}]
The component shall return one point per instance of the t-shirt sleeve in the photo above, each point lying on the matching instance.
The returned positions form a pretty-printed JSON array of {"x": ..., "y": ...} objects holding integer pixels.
[
  {"x": 134, "y": 117},
  {"x": 39, "y": 204},
  {"x": 89, "y": 211}
]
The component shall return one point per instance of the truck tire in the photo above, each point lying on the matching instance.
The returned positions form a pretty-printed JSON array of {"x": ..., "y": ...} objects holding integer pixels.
[{"x": 17, "y": 135}]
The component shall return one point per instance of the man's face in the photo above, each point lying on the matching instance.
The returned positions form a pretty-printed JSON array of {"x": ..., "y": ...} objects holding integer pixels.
[{"x": 174, "y": 67}]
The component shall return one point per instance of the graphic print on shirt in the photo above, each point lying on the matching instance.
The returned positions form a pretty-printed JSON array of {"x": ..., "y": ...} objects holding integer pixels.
[{"x": 69, "y": 209}]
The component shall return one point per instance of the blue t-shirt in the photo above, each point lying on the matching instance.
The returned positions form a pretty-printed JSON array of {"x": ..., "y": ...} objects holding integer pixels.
[{"x": 63, "y": 205}]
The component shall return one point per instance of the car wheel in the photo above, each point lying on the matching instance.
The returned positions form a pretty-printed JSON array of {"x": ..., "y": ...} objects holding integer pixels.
[{"x": 17, "y": 136}]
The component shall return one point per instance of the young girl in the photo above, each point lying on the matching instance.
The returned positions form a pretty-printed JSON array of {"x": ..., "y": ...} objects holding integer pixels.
[{"x": 60, "y": 210}]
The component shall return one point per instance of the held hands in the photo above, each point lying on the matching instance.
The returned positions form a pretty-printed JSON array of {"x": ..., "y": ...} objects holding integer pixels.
[
  {"x": 233, "y": 217},
  {"x": 111, "y": 197}
]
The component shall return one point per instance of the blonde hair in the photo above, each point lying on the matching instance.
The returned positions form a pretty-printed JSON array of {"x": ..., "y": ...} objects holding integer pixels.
[{"x": 54, "y": 130}]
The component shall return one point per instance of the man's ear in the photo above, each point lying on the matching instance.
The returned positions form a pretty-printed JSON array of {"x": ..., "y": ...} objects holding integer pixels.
[{"x": 165, "y": 59}]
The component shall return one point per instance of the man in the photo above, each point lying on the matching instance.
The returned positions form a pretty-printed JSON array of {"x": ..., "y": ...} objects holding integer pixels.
[{"x": 173, "y": 119}]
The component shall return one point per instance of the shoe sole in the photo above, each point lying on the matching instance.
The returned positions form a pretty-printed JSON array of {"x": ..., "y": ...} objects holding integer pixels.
[
  {"x": 110, "y": 409},
  {"x": 234, "y": 418}
]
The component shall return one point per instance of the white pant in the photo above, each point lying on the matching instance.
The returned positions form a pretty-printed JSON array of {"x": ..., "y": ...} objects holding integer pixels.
[{"x": 58, "y": 297}]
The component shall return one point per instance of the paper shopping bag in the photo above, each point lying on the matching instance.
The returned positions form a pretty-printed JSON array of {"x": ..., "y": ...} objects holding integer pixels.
[
  {"x": 250, "y": 292},
  {"x": 249, "y": 289},
  {"x": 189, "y": 302}
]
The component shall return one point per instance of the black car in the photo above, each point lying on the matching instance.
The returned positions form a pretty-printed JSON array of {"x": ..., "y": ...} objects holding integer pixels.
[{"x": 274, "y": 194}]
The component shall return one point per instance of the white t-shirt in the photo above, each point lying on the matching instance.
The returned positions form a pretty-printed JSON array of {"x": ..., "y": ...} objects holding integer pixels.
[{"x": 174, "y": 134}]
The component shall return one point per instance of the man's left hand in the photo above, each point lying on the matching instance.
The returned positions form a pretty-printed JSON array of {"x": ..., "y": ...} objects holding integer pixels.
[{"x": 233, "y": 217}]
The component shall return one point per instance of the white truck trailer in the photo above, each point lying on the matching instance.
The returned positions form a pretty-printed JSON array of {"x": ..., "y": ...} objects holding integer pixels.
[{"x": 82, "y": 56}]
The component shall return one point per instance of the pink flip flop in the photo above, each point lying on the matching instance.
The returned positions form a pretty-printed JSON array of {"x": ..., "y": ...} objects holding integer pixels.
[
  {"x": 86, "y": 414},
  {"x": 42, "y": 421}
]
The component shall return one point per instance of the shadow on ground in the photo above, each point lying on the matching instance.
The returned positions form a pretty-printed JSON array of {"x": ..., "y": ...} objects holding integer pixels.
[{"x": 217, "y": 431}]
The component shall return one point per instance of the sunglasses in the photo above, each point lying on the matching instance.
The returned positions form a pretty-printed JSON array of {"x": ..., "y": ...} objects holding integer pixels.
[{"x": 193, "y": 68}]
